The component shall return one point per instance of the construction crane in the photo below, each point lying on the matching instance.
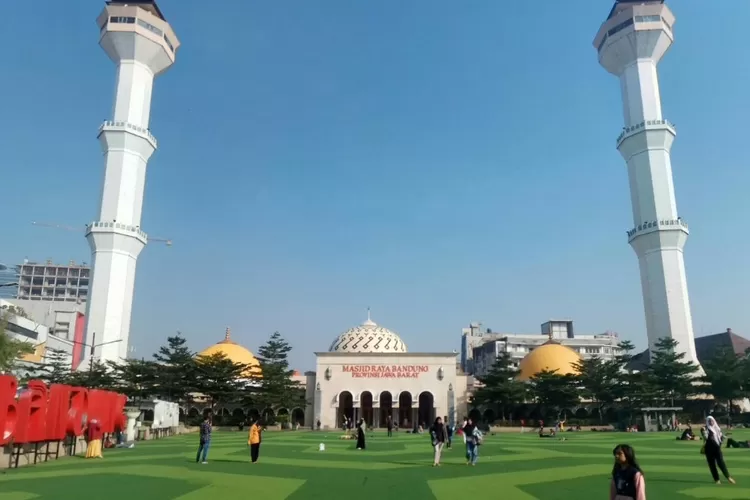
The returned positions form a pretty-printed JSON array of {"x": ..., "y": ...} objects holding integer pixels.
[{"x": 167, "y": 242}]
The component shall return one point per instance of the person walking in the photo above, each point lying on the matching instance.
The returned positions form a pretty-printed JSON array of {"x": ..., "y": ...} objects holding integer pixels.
[
  {"x": 361, "y": 434},
  {"x": 205, "y": 440},
  {"x": 627, "y": 478},
  {"x": 463, "y": 435},
  {"x": 439, "y": 435},
  {"x": 253, "y": 439},
  {"x": 389, "y": 425},
  {"x": 473, "y": 440},
  {"x": 449, "y": 428},
  {"x": 712, "y": 449}
]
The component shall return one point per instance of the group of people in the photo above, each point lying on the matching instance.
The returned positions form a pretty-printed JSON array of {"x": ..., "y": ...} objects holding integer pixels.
[
  {"x": 627, "y": 477},
  {"x": 254, "y": 439},
  {"x": 442, "y": 432}
]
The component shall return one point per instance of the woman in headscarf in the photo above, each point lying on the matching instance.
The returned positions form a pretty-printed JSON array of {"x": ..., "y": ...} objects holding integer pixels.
[
  {"x": 94, "y": 436},
  {"x": 712, "y": 449},
  {"x": 361, "y": 434}
]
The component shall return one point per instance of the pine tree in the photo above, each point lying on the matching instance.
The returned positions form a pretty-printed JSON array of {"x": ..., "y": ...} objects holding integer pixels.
[
  {"x": 220, "y": 379},
  {"x": 669, "y": 372},
  {"x": 137, "y": 378},
  {"x": 598, "y": 380},
  {"x": 500, "y": 388},
  {"x": 177, "y": 371},
  {"x": 553, "y": 391},
  {"x": 725, "y": 377},
  {"x": 96, "y": 376},
  {"x": 277, "y": 389},
  {"x": 56, "y": 368}
]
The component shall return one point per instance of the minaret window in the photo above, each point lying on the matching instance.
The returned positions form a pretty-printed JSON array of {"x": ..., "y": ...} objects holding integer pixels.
[{"x": 122, "y": 20}]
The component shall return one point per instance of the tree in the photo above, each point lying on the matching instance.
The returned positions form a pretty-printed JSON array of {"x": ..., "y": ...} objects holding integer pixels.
[
  {"x": 137, "y": 378},
  {"x": 277, "y": 389},
  {"x": 177, "y": 371},
  {"x": 500, "y": 388},
  {"x": 598, "y": 380},
  {"x": 670, "y": 373},
  {"x": 725, "y": 377},
  {"x": 55, "y": 369},
  {"x": 553, "y": 391},
  {"x": 10, "y": 348},
  {"x": 220, "y": 379},
  {"x": 96, "y": 376}
]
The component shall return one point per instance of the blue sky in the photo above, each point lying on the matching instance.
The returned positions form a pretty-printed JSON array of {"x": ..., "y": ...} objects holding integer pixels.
[{"x": 441, "y": 162}]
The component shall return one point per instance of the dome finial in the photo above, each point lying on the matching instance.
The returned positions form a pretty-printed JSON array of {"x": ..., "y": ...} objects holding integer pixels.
[
  {"x": 369, "y": 321},
  {"x": 228, "y": 334}
]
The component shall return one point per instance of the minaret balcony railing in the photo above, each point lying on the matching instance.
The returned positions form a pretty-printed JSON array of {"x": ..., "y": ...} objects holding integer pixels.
[
  {"x": 644, "y": 125},
  {"x": 116, "y": 225},
  {"x": 143, "y": 131},
  {"x": 648, "y": 227}
]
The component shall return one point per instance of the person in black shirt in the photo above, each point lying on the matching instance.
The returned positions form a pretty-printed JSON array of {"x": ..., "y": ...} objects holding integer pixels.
[
  {"x": 361, "y": 434},
  {"x": 687, "y": 435},
  {"x": 712, "y": 449},
  {"x": 627, "y": 478}
]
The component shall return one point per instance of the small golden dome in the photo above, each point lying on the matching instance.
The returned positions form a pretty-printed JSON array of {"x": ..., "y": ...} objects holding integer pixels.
[
  {"x": 550, "y": 356},
  {"x": 236, "y": 353}
]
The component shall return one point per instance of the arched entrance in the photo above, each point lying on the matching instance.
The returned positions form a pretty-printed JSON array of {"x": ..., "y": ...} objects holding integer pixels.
[
  {"x": 386, "y": 408},
  {"x": 345, "y": 409},
  {"x": 254, "y": 415},
  {"x": 238, "y": 416},
  {"x": 489, "y": 416},
  {"x": 426, "y": 411},
  {"x": 365, "y": 403},
  {"x": 298, "y": 417},
  {"x": 269, "y": 417},
  {"x": 476, "y": 416},
  {"x": 404, "y": 411}
]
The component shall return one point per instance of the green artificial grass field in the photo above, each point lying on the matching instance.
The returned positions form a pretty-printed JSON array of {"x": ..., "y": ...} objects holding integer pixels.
[{"x": 511, "y": 467}]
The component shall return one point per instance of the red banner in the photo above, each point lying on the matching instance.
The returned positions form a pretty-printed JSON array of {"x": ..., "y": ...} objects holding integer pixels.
[
  {"x": 386, "y": 371},
  {"x": 49, "y": 414}
]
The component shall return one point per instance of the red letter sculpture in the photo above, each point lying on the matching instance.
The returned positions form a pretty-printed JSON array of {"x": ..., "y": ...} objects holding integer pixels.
[{"x": 8, "y": 408}]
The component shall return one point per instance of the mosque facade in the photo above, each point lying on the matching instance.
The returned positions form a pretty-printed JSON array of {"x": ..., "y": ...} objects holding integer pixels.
[{"x": 369, "y": 373}]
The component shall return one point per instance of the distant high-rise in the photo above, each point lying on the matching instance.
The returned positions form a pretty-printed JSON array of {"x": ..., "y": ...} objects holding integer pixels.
[
  {"x": 630, "y": 43},
  {"x": 46, "y": 281},
  {"x": 138, "y": 39}
]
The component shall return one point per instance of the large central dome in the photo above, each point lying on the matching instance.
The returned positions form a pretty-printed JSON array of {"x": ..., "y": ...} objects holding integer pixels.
[{"x": 368, "y": 338}]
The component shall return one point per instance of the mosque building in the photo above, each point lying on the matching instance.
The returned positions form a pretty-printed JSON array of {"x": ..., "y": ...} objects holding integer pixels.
[{"x": 368, "y": 372}]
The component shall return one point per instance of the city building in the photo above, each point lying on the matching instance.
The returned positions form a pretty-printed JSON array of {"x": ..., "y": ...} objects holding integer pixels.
[
  {"x": 137, "y": 38},
  {"x": 39, "y": 335},
  {"x": 630, "y": 44},
  {"x": 52, "y": 282},
  {"x": 8, "y": 282},
  {"x": 604, "y": 345},
  {"x": 369, "y": 373}
]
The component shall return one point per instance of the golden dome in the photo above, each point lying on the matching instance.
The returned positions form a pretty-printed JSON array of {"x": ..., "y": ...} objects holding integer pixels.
[
  {"x": 550, "y": 356},
  {"x": 236, "y": 353}
]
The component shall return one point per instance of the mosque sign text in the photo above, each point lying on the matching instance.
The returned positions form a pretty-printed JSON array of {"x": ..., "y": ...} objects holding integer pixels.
[
  {"x": 386, "y": 371},
  {"x": 50, "y": 413}
]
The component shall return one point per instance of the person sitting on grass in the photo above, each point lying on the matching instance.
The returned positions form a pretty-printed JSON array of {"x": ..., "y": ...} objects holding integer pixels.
[
  {"x": 687, "y": 435},
  {"x": 732, "y": 443}
]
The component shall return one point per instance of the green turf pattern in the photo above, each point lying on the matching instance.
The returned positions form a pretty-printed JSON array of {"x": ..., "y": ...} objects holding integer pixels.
[{"x": 511, "y": 466}]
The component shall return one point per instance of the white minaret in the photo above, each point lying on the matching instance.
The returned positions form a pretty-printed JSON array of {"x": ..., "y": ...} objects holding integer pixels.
[
  {"x": 631, "y": 42},
  {"x": 141, "y": 43}
]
